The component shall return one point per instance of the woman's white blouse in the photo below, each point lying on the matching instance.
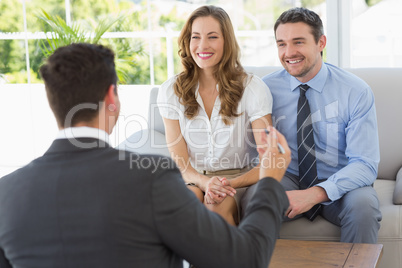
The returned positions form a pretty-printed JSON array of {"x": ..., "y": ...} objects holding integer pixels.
[{"x": 211, "y": 144}]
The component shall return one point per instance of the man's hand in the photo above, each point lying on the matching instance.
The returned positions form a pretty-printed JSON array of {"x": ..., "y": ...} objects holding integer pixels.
[
  {"x": 272, "y": 163},
  {"x": 303, "y": 200}
]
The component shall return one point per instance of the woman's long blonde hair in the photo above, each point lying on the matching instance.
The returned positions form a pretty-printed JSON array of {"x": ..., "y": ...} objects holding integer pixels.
[{"x": 229, "y": 73}]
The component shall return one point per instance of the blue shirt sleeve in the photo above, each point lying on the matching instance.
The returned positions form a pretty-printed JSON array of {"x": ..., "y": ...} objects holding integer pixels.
[{"x": 362, "y": 149}]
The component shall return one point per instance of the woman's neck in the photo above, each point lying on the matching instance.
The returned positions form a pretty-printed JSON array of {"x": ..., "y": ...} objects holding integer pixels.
[{"x": 207, "y": 81}]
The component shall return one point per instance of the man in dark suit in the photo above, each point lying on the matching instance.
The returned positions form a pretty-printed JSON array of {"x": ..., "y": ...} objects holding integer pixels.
[{"x": 85, "y": 204}]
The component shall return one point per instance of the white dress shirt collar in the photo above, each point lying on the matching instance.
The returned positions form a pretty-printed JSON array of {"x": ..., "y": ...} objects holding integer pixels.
[{"x": 83, "y": 132}]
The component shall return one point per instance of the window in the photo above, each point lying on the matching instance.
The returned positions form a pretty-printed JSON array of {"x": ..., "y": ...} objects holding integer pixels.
[
  {"x": 376, "y": 36},
  {"x": 147, "y": 35}
]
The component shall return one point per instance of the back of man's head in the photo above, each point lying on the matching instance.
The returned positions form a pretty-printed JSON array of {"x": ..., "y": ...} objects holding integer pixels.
[
  {"x": 77, "y": 78},
  {"x": 301, "y": 14}
]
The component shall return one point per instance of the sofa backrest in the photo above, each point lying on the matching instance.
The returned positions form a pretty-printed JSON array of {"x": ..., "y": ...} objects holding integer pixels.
[
  {"x": 155, "y": 121},
  {"x": 386, "y": 84}
]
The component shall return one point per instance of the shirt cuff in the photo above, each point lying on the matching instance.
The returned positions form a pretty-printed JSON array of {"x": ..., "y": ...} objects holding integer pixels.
[{"x": 331, "y": 189}]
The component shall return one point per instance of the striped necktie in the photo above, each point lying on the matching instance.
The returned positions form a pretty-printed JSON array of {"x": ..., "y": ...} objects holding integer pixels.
[{"x": 306, "y": 148}]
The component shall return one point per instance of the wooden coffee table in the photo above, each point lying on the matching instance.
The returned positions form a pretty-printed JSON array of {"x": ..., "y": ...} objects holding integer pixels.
[{"x": 295, "y": 253}]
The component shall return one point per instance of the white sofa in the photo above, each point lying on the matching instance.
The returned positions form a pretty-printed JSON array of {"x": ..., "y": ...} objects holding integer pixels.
[{"x": 386, "y": 84}]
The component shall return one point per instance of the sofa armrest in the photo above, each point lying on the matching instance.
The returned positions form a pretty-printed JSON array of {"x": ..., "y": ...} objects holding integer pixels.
[
  {"x": 146, "y": 141},
  {"x": 397, "y": 199}
]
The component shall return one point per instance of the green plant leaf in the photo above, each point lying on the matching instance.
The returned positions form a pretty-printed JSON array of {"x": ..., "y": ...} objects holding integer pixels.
[{"x": 61, "y": 34}]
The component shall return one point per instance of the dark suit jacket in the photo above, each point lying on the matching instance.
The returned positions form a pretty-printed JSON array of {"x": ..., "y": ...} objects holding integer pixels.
[{"x": 100, "y": 207}]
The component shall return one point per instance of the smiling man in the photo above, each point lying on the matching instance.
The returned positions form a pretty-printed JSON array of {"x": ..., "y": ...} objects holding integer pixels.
[{"x": 329, "y": 119}]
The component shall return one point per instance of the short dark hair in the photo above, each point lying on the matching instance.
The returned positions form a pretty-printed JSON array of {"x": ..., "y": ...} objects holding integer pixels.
[
  {"x": 301, "y": 14},
  {"x": 78, "y": 74}
]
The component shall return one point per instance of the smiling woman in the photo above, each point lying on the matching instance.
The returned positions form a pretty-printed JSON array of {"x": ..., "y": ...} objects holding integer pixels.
[{"x": 208, "y": 110}]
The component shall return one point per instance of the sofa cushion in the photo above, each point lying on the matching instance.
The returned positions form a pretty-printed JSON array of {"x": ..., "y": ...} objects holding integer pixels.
[
  {"x": 146, "y": 141},
  {"x": 155, "y": 120},
  {"x": 391, "y": 227},
  {"x": 302, "y": 229},
  {"x": 397, "y": 198}
]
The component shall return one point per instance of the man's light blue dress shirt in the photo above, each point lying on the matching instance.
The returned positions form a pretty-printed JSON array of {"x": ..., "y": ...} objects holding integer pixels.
[{"x": 344, "y": 123}]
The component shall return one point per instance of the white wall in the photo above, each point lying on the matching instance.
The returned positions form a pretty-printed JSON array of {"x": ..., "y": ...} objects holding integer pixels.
[{"x": 28, "y": 126}]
